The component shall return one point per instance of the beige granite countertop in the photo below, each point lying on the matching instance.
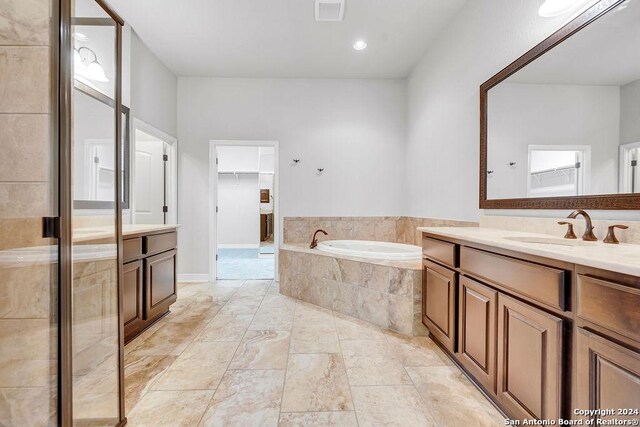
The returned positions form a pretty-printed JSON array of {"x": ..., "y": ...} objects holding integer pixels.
[
  {"x": 623, "y": 258},
  {"x": 304, "y": 248},
  {"x": 102, "y": 232}
]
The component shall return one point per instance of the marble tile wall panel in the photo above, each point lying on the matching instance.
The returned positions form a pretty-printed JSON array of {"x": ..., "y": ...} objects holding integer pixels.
[
  {"x": 24, "y": 22},
  {"x": 28, "y": 336},
  {"x": 386, "y": 296}
]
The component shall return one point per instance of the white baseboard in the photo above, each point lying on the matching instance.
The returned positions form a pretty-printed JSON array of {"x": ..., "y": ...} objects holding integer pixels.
[
  {"x": 241, "y": 246},
  {"x": 192, "y": 278}
]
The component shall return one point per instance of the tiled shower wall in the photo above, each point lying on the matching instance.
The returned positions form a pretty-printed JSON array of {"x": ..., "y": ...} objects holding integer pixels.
[
  {"x": 27, "y": 319},
  {"x": 400, "y": 229}
]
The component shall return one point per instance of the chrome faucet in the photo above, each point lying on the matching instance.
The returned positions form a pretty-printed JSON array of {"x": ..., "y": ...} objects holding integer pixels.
[
  {"x": 588, "y": 231},
  {"x": 314, "y": 241}
]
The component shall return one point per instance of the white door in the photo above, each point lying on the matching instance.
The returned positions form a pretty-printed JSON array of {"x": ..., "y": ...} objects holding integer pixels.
[{"x": 149, "y": 182}]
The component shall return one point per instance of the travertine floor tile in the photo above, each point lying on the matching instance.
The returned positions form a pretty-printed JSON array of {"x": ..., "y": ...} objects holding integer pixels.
[
  {"x": 226, "y": 327},
  {"x": 140, "y": 373},
  {"x": 339, "y": 371},
  {"x": 169, "y": 408},
  {"x": 246, "y": 398},
  {"x": 200, "y": 367},
  {"x": 318, "y": 419},
  {"x": 242, "y": 305},
  {"x": 452, "y": 399},
  {"x": 417, "y": 351},
  {"x": 312, "y": 338},
  {"x": 391, "y": 406},
  {"x": 275, "y": 319},
  {"x": 372, "y": 362},
  {"x": 316, "y": 382},
  {"x": 170, "y": 339},
  {"x": 262, "y": 350},
  {"x": 354, "y": 329}
]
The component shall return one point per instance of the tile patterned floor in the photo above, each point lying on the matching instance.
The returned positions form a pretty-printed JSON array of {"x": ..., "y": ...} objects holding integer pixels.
[
  {"x": 237, "y": 353},
  {"x": 240, "y": 264}
]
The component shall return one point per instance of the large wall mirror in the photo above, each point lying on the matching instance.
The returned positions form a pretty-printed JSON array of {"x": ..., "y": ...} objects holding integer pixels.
[
  {"x": 561, "y": 125},
  {"x": 94, "y": 156}
]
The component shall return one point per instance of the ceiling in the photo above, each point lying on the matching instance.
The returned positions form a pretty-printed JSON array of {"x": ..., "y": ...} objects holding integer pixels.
[
  {"x": 281, "y": 39},
  {"x": 603, "y": 53}
]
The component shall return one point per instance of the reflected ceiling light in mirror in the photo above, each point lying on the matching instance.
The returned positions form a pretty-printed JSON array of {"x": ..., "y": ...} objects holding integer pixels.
[
  {"x": 360, "y": 45},
  {"x": 93, "y": 70},
  {"x": 551, "y": 8}
]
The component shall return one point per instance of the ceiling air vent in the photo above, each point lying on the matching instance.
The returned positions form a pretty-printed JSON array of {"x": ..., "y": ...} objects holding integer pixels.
[{"x": 329, "y": 10}]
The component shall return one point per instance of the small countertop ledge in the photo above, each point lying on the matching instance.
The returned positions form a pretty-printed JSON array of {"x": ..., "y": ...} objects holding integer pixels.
[{"x": 622, "y": 258}]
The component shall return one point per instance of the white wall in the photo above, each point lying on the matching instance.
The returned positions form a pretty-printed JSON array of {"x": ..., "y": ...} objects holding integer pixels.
[
  {"x": 154, "y": 89},
  {"x": 444, "y": 113},
  {"x": 535, "y": 114},
  {"x": 630, "y": 113},
  {"x": 355, "y": 129}
]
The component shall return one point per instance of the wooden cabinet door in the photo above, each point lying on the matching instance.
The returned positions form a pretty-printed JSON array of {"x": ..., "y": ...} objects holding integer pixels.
[
  {"x": 438, "y": 303},
  {"x": 529, "y": 383},
  {"x": 160, "y": 283},
  {"x": 132, "y": 302},
  {"x": 477, "y": 331},
  {"x": 608, "y": 375}
]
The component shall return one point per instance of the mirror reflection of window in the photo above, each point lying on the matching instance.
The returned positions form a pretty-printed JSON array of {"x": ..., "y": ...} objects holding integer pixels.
[{"x": 557, "y": 171}]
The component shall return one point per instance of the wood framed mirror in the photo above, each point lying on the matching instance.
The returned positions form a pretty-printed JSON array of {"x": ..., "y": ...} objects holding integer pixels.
[{"x": 560, "y": 126}]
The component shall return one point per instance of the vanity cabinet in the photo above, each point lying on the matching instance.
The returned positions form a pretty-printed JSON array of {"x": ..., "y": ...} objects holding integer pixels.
[
  {"x": 149, "y": 279},
  {"x": 608, "y": 375},
  {"x": 529, "y": 360},
  {"x": 438, "y": 303},
  {"x": 132, "y": 308},
  {"x": 539, "y": 336},
  {"x": 477, "y": 317}
]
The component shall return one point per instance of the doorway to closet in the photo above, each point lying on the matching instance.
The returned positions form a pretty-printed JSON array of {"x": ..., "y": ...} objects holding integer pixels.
[{"x": 245, "y": 210}]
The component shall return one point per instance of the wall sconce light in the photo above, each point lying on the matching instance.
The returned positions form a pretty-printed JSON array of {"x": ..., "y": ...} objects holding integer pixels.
[
  {"x": 551, "y": 8},
  {"x": 93, "y": 70}
]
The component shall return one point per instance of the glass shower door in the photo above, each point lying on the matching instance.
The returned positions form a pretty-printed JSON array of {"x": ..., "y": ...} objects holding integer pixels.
[{"x": 95, "y": 175}]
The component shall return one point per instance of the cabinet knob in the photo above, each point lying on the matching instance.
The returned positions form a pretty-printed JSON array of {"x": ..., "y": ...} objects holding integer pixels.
[
  {"x": 570, "y": 233},
  {"x": 611, "y": 234}
]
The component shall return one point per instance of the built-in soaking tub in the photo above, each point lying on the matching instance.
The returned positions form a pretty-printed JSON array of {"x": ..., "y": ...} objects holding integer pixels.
[
  {"x": 377, "y": 282},
  {"x": 372, "y": 250}
]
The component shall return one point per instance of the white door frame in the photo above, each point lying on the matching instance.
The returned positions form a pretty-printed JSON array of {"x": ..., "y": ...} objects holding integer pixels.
[
  {"x": 172, "y": 176},
  {"x": 213, "y": 199},
  {"x": 625, "y": 172}
]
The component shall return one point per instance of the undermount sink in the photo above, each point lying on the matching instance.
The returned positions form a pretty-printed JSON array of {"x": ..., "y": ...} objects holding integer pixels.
[{"x": 547, "y": 241}]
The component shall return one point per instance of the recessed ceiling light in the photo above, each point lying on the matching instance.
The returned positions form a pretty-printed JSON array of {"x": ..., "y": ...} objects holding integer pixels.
[
  {"x": 360, "y": 45},
  {"x": 551, "y": 8},
  {"x": 80, "y": 37}
]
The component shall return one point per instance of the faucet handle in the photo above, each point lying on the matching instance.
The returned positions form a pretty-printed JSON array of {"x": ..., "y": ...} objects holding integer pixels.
[
  {"x": 611, "y": 234},
  {"x": 570, "y": 233}
]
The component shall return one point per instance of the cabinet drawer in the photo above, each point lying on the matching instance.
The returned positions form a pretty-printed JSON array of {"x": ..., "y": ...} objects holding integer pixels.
[
  {"x": 440, "y": 251},
  {"x": 132, "y": 249},
  {"x": 544, "y": 284},
  {"x": 160, "y": 242},
  {"x": 609, "y": 305}
]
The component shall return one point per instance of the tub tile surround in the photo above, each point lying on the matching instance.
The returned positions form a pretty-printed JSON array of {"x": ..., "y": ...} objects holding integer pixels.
[
  {"x": 385, "y": 293},
  {"x": 323, "y": 368},
  {"x": 394, "y": 229}
]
